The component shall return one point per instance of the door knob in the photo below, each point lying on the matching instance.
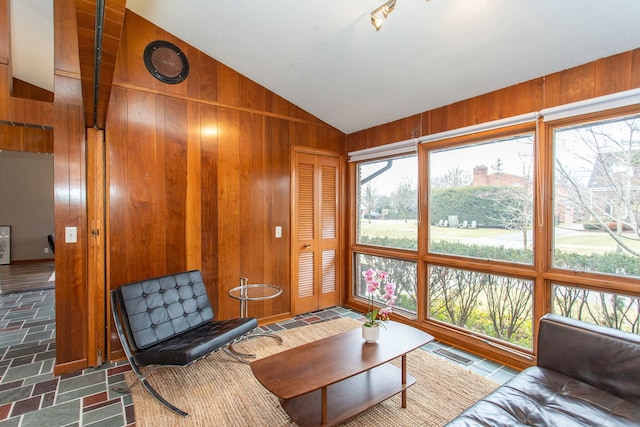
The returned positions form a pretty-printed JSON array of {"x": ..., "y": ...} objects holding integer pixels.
[{"x": 307, "y": 246}]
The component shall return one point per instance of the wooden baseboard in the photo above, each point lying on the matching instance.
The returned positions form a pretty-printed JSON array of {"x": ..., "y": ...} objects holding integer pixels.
[
  {"x": 274, "y": 319},
  {"x": 68, "y": 367}
]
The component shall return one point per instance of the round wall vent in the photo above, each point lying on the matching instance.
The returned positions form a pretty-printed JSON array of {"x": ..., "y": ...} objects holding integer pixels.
[{"x": 166, "y": 62}]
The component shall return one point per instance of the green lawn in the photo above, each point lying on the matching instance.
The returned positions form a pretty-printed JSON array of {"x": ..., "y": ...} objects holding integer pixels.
[
  {"x": 396, "y": 229},
  {"x": 578, "y": 241}
]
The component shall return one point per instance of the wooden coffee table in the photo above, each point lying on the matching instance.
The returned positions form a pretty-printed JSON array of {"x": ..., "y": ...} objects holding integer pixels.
[{"x": 332, "y": 379}]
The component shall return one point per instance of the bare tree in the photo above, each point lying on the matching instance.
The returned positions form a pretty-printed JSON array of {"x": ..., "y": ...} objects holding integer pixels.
[
  {"x": 516, "y": 209},
  {"x": 516, "y": 198},
  {"x": 509, "y": 304},
  {"x": 369, "y": 199},
  {"x": 454, "y": 293},
  {"x": 569, "y": 302},
  {"x": 602, "y": 176},
  {"x": 615, "y": 311},
  {"x": 455, "y": 177},
  {"x": 405, "y": 198}
]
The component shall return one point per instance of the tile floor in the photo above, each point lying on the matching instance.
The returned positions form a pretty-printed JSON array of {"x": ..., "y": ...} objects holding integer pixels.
[{"x": 30, "y": 395}]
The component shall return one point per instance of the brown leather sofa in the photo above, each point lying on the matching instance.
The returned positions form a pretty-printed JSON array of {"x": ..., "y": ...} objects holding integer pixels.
[{"x": 586, "y": 375}]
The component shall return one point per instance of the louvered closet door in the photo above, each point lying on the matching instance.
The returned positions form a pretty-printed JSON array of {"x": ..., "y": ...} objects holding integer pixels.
[{"x": 315, "y": 232}]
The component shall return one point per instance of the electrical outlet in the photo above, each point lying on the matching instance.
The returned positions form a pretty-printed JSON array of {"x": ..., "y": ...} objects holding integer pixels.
[
  {"x": 46, "y": 250},
  {"x": 278, "y": 231}
]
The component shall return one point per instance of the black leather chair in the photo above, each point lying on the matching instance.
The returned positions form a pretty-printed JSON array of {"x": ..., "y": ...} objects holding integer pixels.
[{"x": 168, "y": 320}]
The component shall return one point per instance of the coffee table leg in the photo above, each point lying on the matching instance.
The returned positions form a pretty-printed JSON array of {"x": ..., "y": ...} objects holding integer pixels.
[
  {"x": 404, "y": 380},
  {"x": 323, "y": 418}
]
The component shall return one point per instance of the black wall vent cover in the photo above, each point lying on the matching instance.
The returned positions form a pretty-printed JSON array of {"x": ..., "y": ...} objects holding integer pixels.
[{"x": 166, "y": 62}]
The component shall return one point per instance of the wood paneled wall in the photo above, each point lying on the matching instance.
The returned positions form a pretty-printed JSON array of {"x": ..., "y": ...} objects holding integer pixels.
[
  {"x": 602, "y": 77},
  {"x": 22, "y": 89},
  {"x": 27, "y": 139},
  {"x": 198, "y": 174},
  {"x": 70, "y": 191}
]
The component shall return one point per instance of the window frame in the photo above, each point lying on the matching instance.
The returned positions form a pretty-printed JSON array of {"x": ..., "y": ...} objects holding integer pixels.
[
  {"x": 495, "y": 267},
  {"x": 472, "y": 140},
  {"x": 355, "y": 248},
  {"x": 541, "y": 272},
  {"x": 586, "y": 279},
  {"x": 356, "y": 192}
]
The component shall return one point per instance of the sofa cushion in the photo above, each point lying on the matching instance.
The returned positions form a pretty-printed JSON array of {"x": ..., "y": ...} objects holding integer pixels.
[
  {"x": 604, "y": 357},
  {"x": 542, "y": 397},
  {"x": 190, "y": 346}
]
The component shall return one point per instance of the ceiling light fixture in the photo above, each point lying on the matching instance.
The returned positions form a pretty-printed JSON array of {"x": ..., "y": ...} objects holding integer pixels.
[{"x": 380, "y": 14}]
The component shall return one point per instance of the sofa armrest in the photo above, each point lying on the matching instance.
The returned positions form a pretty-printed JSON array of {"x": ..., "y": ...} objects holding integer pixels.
[{"x": 603, "y": 357}]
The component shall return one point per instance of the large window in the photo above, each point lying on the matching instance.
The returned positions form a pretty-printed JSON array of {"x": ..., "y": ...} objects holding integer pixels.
[
  {"x": 596, "y": 190},
  {"x": 388, "y": 203},
  {"x": 509, "y": 226},
  {"x": 481, "y": 200}
]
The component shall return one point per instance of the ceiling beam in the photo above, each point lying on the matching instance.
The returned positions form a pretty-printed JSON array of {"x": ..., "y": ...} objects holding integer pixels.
[{"x": 99, "y": 30}]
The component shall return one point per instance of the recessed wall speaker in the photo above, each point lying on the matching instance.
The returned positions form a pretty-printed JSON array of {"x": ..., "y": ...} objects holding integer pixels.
[{"x": 166, "y": 62}]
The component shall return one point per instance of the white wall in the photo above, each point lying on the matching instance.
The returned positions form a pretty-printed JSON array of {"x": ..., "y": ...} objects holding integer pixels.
[{"x": 26, "y": 202}]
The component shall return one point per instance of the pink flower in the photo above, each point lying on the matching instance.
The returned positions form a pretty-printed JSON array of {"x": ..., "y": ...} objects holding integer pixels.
[
  {"x": 390, "y": 288},
  {"x": 372, "y": 286},
  {"x": 374, "y": 279},
  {"x": 369, "y": 275}
]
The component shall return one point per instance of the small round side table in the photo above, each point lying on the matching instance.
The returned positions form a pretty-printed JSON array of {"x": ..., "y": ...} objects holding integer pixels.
[{"x": 253, "y": 292}]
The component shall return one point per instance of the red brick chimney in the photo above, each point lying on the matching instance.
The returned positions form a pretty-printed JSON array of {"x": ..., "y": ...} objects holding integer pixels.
[{"x": 480, "y": 174}]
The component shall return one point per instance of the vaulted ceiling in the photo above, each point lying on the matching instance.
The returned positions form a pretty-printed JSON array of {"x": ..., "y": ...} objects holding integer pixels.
[{"x": 327, "y": 58}]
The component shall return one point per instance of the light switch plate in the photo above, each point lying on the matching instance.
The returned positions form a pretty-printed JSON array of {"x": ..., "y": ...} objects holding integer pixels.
[
  {"x": 278, "y": 231},
  {"x": 70, "y": 234}
]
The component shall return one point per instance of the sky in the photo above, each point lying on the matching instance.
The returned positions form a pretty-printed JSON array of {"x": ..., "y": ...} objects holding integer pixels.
[{"x": 513, "y": 155}]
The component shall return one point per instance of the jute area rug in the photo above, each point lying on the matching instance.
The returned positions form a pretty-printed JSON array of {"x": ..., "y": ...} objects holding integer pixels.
[{"x": 219, "y": 391}]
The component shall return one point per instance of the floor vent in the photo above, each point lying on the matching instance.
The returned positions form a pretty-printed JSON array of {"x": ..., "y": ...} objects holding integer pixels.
[{"x": 453, "y": 356}]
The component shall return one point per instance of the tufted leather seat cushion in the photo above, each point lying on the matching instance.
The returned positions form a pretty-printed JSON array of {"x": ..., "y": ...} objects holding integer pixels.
[
  {"x": 542, "y": 397},
  {"x": 170, "y": 320},
  {"x": 187, "y": 347}
]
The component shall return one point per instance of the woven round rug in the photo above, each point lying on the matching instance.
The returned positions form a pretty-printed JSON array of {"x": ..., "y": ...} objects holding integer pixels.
[{"x": 220, "y": 391}]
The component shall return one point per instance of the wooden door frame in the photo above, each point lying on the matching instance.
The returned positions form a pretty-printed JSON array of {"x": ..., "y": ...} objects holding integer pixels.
[
  {"x": 295, "y": 150},
  {"x": 97, "y": 305}
]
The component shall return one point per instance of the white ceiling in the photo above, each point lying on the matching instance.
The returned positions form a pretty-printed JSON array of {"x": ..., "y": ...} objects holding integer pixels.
[
  {"x": 326, "y": 57},
  {"x": 32, "y": 41}
]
